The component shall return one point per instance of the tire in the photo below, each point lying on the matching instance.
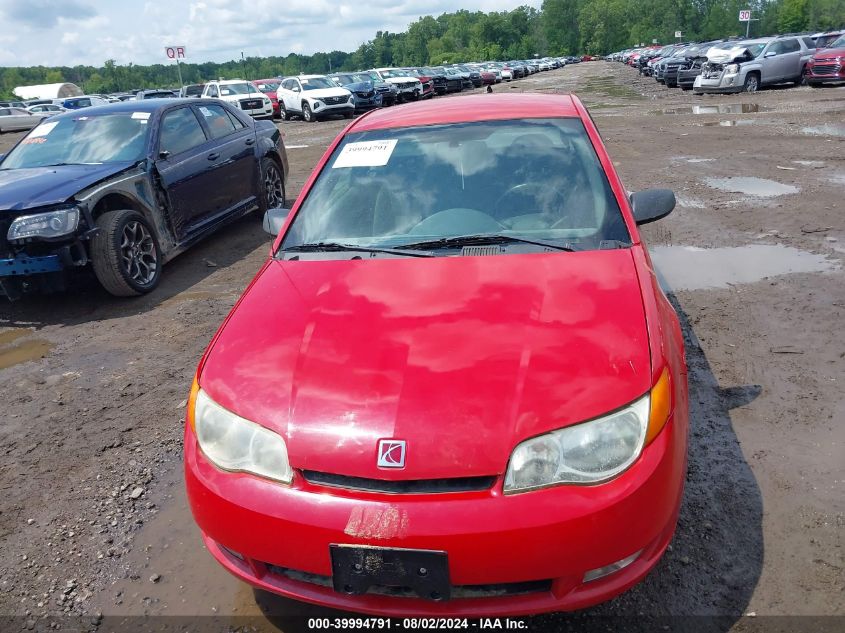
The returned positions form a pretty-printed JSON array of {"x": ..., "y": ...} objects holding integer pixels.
[
  {"x": 307, "y": 114},
  {"x": 283, "y": 113},
  {"x": 348, "y": 115},
  {"x": 802, "y": 79},
  {"x": 273, "y": 193},
  {"x": 686, "y": 88},
  {"x": 125, "y": 254},
  {"x": 752, "y": 83}
]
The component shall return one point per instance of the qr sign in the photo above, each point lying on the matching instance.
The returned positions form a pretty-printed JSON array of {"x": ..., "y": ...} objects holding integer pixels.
[{"x": 744, "y": 16}]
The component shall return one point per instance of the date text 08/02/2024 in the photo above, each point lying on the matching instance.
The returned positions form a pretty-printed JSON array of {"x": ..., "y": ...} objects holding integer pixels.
[{"x": 411, "y": 624}]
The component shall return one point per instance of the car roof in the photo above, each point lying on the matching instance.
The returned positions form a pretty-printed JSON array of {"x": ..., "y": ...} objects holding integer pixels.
[
  {"x": 147, "y": 105},
  {"x": 482, "y": 107}
]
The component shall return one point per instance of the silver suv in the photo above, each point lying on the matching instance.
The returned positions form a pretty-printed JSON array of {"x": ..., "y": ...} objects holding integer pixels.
[{"x": 751, "y": 64}]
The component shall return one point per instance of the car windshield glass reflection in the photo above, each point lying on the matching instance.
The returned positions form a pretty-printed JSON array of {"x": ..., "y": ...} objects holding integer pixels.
[
  {"x": 82, "y": 140},
  {"x": 237, "y": 89},
  {"x": 537, "y": 178},
  {"x": 317, "y": 83}
]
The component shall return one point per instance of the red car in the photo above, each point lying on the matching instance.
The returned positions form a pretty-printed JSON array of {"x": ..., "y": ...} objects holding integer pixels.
[
  {"x": 827, "y": 65},
  {"x": 269, "y": 87},
  {"x": 455, "y": 387}
]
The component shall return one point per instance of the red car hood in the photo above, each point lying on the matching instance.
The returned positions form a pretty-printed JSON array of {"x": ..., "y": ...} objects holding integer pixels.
[
  {"x": 462, "y": 357},
  {"x": 826, "y": 53}
]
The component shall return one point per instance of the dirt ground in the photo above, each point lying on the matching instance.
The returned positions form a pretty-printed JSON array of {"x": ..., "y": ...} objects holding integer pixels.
[{"x": 93, "y": 518}]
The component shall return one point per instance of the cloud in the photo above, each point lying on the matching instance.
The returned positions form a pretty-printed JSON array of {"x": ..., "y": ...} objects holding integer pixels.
[
  {"x": 45, "y": 14},
  {"x": 212, "y": 30}
]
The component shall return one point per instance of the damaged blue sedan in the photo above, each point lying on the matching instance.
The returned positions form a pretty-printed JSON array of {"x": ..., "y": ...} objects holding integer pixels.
[{"x": 126, "y": 187}]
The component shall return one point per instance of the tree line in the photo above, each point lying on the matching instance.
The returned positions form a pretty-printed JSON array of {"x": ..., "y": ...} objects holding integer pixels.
[{"x": 559, "y": 27}]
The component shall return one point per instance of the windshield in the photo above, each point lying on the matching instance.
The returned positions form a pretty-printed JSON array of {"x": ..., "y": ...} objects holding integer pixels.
[
  {"x": 837, "y": 43},
  {"x": 107, "y": 138},
  {"x": 756, "y": 49},
  {"x": 394, "y": 73},
  {"x": 268, "y": 86},
  {"x": 533, "y": 178},
  {"x": 317, "y": 83},
  {"x": 236, "y": 89}
]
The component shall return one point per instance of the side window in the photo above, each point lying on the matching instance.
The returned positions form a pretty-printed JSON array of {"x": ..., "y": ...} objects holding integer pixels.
[
  {"x": 294, "y": 85},
  {"x": 791, "y": 46},
  {"x": 180, "y": 131},
  {"x": 5, "y": 112},
  {"x": 84, "y": 103},
  {"x": 217, "y": 120},
  {"x": 808, "y": 42},
  {"x": 239, "y": 125}
]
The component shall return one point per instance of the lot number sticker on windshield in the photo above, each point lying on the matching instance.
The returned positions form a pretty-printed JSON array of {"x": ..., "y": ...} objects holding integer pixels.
[
  {"x": 142, "y": 116},
  {"x": 43, "y": 130},
  {"x": 366, "y": 154}
]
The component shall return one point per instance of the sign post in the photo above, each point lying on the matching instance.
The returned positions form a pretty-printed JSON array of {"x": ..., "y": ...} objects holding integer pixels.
[
  {"x": 745, "y": 16},
  {"x": 176, "y": 53}
]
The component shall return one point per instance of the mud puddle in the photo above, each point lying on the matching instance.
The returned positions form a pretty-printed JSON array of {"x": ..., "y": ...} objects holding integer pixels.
[
  {"x": 693, "y": 268},
  {"x": 14, "y": 353},
  {"x": 733, "y": 122},
  {"x": 725, "y": 108},
  {"x": 758, "y": 187},
  {"x": 829, "y": 129}
]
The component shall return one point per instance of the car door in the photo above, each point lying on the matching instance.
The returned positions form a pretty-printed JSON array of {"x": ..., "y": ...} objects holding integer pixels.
[
  {"x": 235, "y": 169},
  {"x": 22, "y": 120},
  {"x": 293, "y": 102},
  {"x": 184, "y": 166},
  {"x": 790, "y": 59}
]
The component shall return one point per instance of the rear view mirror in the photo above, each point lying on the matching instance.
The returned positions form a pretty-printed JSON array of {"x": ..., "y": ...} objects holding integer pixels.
[
  {"x": 274, "y": 220},
  {"x": 652, "y": 204}
]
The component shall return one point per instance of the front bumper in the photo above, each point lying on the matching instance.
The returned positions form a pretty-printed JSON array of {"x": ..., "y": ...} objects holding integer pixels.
[
  {"x": 827, "y": 73},
  {"x": 319, "y": 108},
  {"x": 24, "y": 265},
  {"x": 724, "y": 83},
  {"x": 282, "y": 534},
  {"x": 367, "y": 102}
]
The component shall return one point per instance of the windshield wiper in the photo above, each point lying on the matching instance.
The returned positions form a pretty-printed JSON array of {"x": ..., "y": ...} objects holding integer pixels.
[
  {"x": 472, "y": 240},
  {"x": 336, "y": 246}
]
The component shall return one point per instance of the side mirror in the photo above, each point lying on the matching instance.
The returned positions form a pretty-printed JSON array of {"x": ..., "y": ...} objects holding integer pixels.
[
  {"x": 652, "y": 204},
  {"x": 770, "y": 54},
  {"x": 274, "y": 220}
]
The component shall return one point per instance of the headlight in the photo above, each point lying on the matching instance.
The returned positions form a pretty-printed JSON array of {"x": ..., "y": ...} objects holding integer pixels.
[
  {"x": 48, "y": 225},
  {"x": 234, "y": 443},
  {"x": 594, "y": 451},
  {"x": 732, "y": 69}
]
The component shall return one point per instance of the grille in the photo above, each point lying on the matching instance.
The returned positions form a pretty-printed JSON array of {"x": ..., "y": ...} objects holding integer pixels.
[
  {"x": 334, "y": 100},
  {"x": 251, "y": 104},
  {"x": 366, "y": 95},
  {"x": 458, "y": 591},
  {"x": 5, "y": 251},
  {"x": 408, "y": 486},
  {"x": 827, "y": 69}
]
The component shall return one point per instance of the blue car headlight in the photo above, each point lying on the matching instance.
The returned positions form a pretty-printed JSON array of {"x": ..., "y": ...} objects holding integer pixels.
[{"x": 47, "y": 225}]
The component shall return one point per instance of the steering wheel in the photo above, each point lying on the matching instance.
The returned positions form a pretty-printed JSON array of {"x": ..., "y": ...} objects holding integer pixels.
[{"x": 530, "y": 190}]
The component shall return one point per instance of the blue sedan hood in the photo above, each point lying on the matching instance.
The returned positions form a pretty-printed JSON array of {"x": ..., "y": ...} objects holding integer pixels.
[
  {"x": 360, "y": 86},
  {"x": 34, "y": 187}
]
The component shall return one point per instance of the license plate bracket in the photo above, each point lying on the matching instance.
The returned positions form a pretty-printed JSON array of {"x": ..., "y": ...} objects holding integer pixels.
[{"x": 355, "y": 569}]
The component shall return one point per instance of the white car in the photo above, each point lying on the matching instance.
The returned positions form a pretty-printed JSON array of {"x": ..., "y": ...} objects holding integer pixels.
[
  {"x": 243, "y": 95},
  {"x": 313, "y": 97},
  {"x": 409, "y": 87},
  {"x": 46, "y": 108},
  {"x": 13, "y": 119}
]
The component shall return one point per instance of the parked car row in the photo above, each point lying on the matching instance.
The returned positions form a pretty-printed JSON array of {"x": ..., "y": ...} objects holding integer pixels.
[
  {"x": 314, "y": 97},
  {"x": 743, "y": 65}
]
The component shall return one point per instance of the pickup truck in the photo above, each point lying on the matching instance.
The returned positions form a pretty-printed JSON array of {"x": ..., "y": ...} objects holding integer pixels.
[{"x": 241, "y": 94}]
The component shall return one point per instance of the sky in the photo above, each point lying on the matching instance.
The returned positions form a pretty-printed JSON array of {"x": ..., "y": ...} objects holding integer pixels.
[{"x": 72, "y": 32}]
